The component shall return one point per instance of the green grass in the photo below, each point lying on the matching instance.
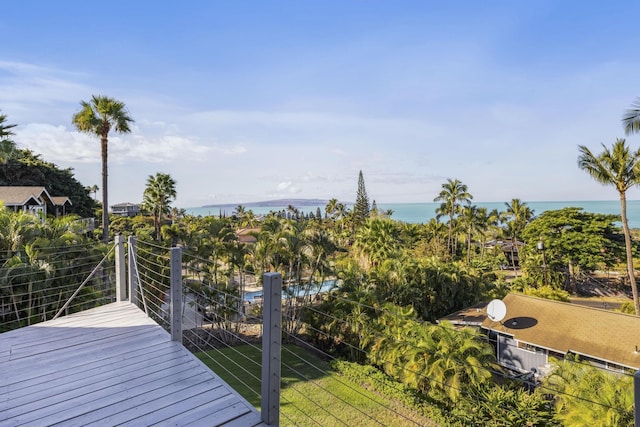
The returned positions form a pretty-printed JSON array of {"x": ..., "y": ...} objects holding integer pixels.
[{"x": 312, "y": 394}]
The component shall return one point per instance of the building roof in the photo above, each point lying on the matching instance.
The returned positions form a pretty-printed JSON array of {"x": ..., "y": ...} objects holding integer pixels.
[
  {"x": 19, "y": 195},
  {"x": 564, "y": 327},
  {"x": 470, "y": 316},
  {"x": 61, "y": 200},
  {"x": 247, "y": 235},
  {"x": 125, "y": 205}
]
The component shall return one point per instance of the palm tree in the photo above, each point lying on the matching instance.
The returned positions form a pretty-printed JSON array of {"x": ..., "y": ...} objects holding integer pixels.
[
  {"x": 631, "y": 118},
  {"x": 331, "y": 208},
  {"x": 453, "y": 192},
  {"x": 516, "y": 217},
  {"x": 470, "y": 216},
  {"x": 460, "y": 360},
  {"x": 5, "y": 131},
  {"x": 99, "y": 117},
  {"x": 620, "y": 168},
  {"x": 7, "y": 146},
  {"x": 94, "y": 189},
  {"x": 160, "y": 192},
  {"x": 376, "y": 241},
  {"x": 585, "y": 394}
]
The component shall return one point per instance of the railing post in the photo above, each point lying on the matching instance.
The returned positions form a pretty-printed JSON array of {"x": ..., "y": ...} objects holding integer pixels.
[
  {"x": 636, "y": 398},
  {"x": 271, "y": 343},
  {"x": 133, "y": 280},
  {"x": 176, "y": 294},
  {"x": 121, "y": 271}
]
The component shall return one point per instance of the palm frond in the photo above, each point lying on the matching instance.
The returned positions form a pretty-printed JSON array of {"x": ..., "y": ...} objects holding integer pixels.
[{"x": 631, "y": 118}]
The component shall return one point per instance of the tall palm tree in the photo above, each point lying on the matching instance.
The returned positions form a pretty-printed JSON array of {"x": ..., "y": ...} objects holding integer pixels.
[
  {"x": 157, "y": 197},
  {"x": 98, "y": 117},
  {"x": 516, "y": 218},
  {"x": 474, "y": 220},
  {"x": 453, "y": 192},
  {"x": 94, "y": 189},
  {"x": 631, "y": 118},
  {"x": 620, "y": 168},
  {"x": 5, "y": 129},
  {"x": 7, "y": 146}
]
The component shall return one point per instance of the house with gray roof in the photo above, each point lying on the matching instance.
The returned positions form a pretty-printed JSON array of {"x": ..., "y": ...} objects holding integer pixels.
[
  {"x": 125, "y": 209},
  {"x": 36, "y": 200}
]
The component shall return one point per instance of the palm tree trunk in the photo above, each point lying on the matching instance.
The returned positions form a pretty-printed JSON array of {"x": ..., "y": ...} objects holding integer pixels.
[
  {"x": 469, "y": 247},
  {"x": 105, "y": 201},
  {"x": 627, "y": 244},
  {"x": 450, "y": 240}
]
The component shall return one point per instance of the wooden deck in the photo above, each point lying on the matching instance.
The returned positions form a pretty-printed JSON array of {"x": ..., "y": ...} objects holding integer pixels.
[{"x": 110, "y": 366}]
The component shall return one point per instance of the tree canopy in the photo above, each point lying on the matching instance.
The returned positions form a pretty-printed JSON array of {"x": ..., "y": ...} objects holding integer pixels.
[
  {"x": 573, "y": 241},
  {"x": 28, "y": 169}
]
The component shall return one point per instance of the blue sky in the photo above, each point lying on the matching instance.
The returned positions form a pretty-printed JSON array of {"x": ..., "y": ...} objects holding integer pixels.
[{"x": 244, "y": 101}]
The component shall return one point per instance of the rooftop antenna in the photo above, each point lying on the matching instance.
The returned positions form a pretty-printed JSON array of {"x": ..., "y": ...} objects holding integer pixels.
[{"x": 496, "y": 310}]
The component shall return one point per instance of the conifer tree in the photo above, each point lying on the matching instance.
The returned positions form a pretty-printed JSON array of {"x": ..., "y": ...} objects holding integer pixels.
[{"x": 361, "y": 209}]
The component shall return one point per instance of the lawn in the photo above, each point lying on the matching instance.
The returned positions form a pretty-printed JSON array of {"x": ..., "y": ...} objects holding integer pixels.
[{"x": 312, "y": 394}]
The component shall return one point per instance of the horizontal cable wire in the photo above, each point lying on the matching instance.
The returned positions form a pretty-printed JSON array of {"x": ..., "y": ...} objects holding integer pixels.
[{"x": 376, "y": 310}]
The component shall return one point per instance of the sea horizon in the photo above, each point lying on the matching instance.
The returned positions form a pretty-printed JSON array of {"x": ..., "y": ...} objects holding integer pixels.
[{"x": 416, "y": 212}]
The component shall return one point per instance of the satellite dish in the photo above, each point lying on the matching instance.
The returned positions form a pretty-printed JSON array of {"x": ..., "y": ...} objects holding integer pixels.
[{"x": 496, "y": 310}]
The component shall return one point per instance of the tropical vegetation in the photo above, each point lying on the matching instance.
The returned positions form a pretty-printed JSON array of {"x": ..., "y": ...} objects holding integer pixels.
[
  {"x": 618, "y": 167},
  {"x": 392, "y": 281},
  {"x": 157, "y": 198}
]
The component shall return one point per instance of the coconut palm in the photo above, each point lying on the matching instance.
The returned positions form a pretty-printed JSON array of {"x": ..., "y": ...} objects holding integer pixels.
[
  {"x": 516, "y": 218},
  {"x": 218, "y": 237},
  {"x": 7, "y": 146},
  {"x": 618, "y": 167},
  {"x": 453, "y": 192},
  {"x": 94, "y": 189},
  {"x": 631, "y": 118},
  {"x": 321, "y": 246},
  {"x": 159, "y": 193},
  {"x": 5, "y": 129},
  {"x": 472, "y": 219},
  {"x": 98, "y": 117},
  {"x": 331, "y": 208}
]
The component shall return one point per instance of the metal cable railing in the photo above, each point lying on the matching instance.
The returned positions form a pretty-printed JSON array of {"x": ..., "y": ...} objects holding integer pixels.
[
  {"x": 41, "y": 283},
  {"x": 223, "y": 329}
]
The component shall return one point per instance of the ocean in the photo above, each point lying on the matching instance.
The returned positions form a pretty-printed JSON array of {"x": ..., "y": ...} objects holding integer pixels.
[{"x": 417, "y": 213}]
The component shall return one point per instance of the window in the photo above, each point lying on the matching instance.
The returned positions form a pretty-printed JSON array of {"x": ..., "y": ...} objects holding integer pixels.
[{"x": 529, "y": 347}]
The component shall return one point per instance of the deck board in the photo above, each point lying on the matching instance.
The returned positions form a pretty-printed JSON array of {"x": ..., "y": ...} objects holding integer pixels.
[{"x": 110, "y": 366}]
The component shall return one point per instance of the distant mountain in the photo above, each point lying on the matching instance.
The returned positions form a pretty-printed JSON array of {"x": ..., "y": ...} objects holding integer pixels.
[{"x": 274, "y": 203}]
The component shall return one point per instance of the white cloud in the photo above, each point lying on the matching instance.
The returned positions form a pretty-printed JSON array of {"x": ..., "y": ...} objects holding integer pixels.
[
  {"x": 57, "y": 143},
  {"x": 287, "y": 187},
  {"x": 30, "y": 85}
]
